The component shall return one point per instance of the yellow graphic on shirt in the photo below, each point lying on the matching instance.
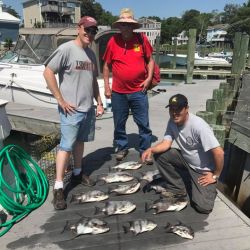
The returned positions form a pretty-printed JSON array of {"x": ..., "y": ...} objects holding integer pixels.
[{"x": 137, "y": 47}]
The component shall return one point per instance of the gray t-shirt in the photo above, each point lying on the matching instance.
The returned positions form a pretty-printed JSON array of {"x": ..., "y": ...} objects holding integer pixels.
[
  {"x": 76, "y": 68},
  {"x": 195, "y": 138}
]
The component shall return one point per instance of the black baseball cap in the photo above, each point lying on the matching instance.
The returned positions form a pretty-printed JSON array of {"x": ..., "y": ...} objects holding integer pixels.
[{"x": 177, "y": 102}]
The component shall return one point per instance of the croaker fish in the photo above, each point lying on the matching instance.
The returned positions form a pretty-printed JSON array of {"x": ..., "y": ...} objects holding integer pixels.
[
  {"x": 116, "y": 207},
  {"x": 140, "y": 226},
  {"x": 88, "y": 226},
  {"x": 90, "y": 196},
  {"x": 180, "y": 229},
  {"x": 167, "y": 205},
  {"x": 116, "y": 177},
  {"x": 151, "y": 175},
  {"x": 125, "y": 188},
  {"x": 130, "y": 165}
]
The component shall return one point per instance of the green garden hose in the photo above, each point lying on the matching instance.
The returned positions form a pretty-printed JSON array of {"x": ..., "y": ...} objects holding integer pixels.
[{"x": 23, "y": 186}]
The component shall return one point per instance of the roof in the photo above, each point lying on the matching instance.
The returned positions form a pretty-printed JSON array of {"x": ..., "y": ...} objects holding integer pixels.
[
  {"x": 8, "y": 18},
  {"x": 218, "y": 27}
]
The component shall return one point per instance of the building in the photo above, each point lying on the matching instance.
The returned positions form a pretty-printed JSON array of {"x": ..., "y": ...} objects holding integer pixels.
[
  {"x": 51, "y": 13},
  {"x": 180, "y": 39},
  {"x": 151, "y": 28},
  {"x": 9, "y": 25},
  {"x": 217, "y": 34}
]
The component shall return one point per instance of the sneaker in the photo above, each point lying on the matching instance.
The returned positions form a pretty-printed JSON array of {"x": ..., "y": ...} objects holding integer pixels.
[
  {"x": 82, "y": 179},
  {"x": 59, "y": 201},
  {"x": 120, "y": 155}
]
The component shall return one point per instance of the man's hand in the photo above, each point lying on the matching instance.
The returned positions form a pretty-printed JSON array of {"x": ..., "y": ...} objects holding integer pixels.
[
  {"x": 145, "y": 85},
  {"x": 147, "y": 154},
  {"x": 99, "y": 110},
  {"x": 206, "y": 179},
  {"x": 107, "y": 92},
  {"x": 67, "y": 108}
]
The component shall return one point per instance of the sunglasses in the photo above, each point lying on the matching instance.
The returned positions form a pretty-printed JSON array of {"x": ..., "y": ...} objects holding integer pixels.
[{"x": 91, "y": 30}]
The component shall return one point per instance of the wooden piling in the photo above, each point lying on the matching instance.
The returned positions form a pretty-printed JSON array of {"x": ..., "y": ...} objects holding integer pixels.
[
  {"x": 207, "y": 116},
  {"x": 190, "y": 55},
  {"x": 236, "y": 53},
  {"x": 243, "y": 52},
  {"x": 157, "y": 50}
]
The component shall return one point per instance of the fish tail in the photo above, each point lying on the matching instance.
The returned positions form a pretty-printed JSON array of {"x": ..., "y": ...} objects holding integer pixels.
[
  {"x": 147, "y": 207},
  {"x": 168, "y": 227},
  {"x": 73, "y": 198},
  {"x": 98, "y": 210},
  {"x": 125, "y": 229},
  {"x": 66, "y": 227}
]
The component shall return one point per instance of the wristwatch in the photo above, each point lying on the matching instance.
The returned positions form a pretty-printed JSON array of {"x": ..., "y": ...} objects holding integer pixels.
[{"x": 215, "y": 177}]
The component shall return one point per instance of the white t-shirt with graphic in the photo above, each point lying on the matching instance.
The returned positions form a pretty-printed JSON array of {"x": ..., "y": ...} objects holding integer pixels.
[{"x": 195, "y": 138}]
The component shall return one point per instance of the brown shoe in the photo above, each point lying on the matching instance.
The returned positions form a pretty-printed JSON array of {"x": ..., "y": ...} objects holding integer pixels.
[
  {"x": 82, "y": 179},
  {"x": 59, "y": 202},
  {"x": 120, "y": 155}
]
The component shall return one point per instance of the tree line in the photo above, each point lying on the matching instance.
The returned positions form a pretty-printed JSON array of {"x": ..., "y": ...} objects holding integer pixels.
[{"x": 236, "y": 16}]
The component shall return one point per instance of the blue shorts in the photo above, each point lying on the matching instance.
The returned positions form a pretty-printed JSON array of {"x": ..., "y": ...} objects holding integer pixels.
[{"x": 79, "y": 126}]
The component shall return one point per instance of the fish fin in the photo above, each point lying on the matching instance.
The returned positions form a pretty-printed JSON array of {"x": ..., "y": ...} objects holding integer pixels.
[
  {"x": 168, "y": 227},
  {"x": 147, "y": 207}
]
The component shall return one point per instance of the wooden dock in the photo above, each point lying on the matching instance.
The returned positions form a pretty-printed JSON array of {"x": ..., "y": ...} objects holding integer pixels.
[
  {"x": 202, "y": 73},
  {"x": 225, "y": 228}
]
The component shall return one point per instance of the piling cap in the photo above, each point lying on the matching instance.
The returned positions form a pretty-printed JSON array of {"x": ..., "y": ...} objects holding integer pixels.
[{"x": 178, "y": 102}]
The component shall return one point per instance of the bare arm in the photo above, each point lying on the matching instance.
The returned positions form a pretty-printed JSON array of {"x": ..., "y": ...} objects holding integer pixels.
[
  {"x": 161, "y": 147},
  {"x": 50, "y": 78},
  {"x": 99, "y": 109},
  {"x": 150, "y": 69},
  {"x": 106, "y": 72},
  {"x": 218, "y": 157}
]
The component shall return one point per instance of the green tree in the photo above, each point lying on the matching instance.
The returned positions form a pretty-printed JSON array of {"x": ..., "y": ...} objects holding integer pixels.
[
  {"x": 170, "y": 27},
  {"x": 8, "y": 43},
  {"x": 11, "y": 11}
]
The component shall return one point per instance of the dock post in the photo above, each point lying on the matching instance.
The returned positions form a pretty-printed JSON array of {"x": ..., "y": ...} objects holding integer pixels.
[
  {"x": 190, "y": 55},
  {"x": 157, "y": 50},
  {"x": 243, "y": 52},
  {"x": 174, "y": 53},
  {"x": 248, "y": 60},
  {"x": 236, "y": 53}
]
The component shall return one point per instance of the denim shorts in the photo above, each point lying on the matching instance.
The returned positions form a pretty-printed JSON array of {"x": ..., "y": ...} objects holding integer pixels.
[{"x": 79, "y": 126}]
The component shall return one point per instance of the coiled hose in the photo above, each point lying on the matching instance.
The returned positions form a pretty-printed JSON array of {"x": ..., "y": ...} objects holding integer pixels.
[{"x": 23, "y": 186}]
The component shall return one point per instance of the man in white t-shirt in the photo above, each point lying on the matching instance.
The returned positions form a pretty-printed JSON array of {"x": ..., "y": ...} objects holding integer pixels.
[{"x": 197, "y": 164}]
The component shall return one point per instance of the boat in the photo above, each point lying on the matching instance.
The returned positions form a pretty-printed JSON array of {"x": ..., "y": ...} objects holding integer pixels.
[
  {"x": 21, "y": 78},
  {"x": 181, "y": 59},
  {"x": 223, "y": 54}
]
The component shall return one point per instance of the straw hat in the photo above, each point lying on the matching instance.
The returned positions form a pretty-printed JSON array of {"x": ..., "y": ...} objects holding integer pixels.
[{"x": 126, "y": 16}]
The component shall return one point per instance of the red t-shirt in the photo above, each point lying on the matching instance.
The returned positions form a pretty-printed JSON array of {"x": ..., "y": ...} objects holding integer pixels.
[{"x": 127, "y": 61}]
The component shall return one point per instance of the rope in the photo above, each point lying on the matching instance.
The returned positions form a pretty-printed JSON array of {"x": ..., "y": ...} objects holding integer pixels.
[{"x": 23, "y": 186}]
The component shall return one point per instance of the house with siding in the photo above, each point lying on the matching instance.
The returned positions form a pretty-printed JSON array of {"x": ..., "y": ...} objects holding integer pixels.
[{"x": 9, "y": 26}]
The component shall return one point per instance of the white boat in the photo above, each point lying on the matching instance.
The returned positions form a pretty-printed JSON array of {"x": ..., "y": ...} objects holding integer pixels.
[
  {"x": 21, "y": 77},
  {"x": 223, "y": 54},
  {"x": 181, "y": 59}
]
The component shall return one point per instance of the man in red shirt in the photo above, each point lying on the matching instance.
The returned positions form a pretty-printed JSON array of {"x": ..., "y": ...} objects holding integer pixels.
[{"x": 131, "y": 78}]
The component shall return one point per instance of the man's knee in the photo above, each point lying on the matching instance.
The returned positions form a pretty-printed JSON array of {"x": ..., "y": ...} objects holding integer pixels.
[
  {"x": 167, "y": 155},
  {"x": 200, "y": 209}
]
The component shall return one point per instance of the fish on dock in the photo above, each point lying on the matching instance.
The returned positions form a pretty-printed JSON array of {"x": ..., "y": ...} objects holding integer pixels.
[
  {"x": 140, "y": 226},
  {"x": 151, "y": 175},
  {"x": 158, "y": 185},
  {"x": 90, "y": 196},
  {"x": 88, "y": 226},
  {"x": 116, "y": 207},
  {"x": 180, "y": 229},
  {"x": 130, "y": 165},
  {"x": 125, "y": 189},
  {"x": 116, "y": 177},
  {"x": 162, "y": 205}
]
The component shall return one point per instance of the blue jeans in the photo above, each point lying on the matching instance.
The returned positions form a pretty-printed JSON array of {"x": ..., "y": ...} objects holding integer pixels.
[{"x": 138, "y": 104}]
